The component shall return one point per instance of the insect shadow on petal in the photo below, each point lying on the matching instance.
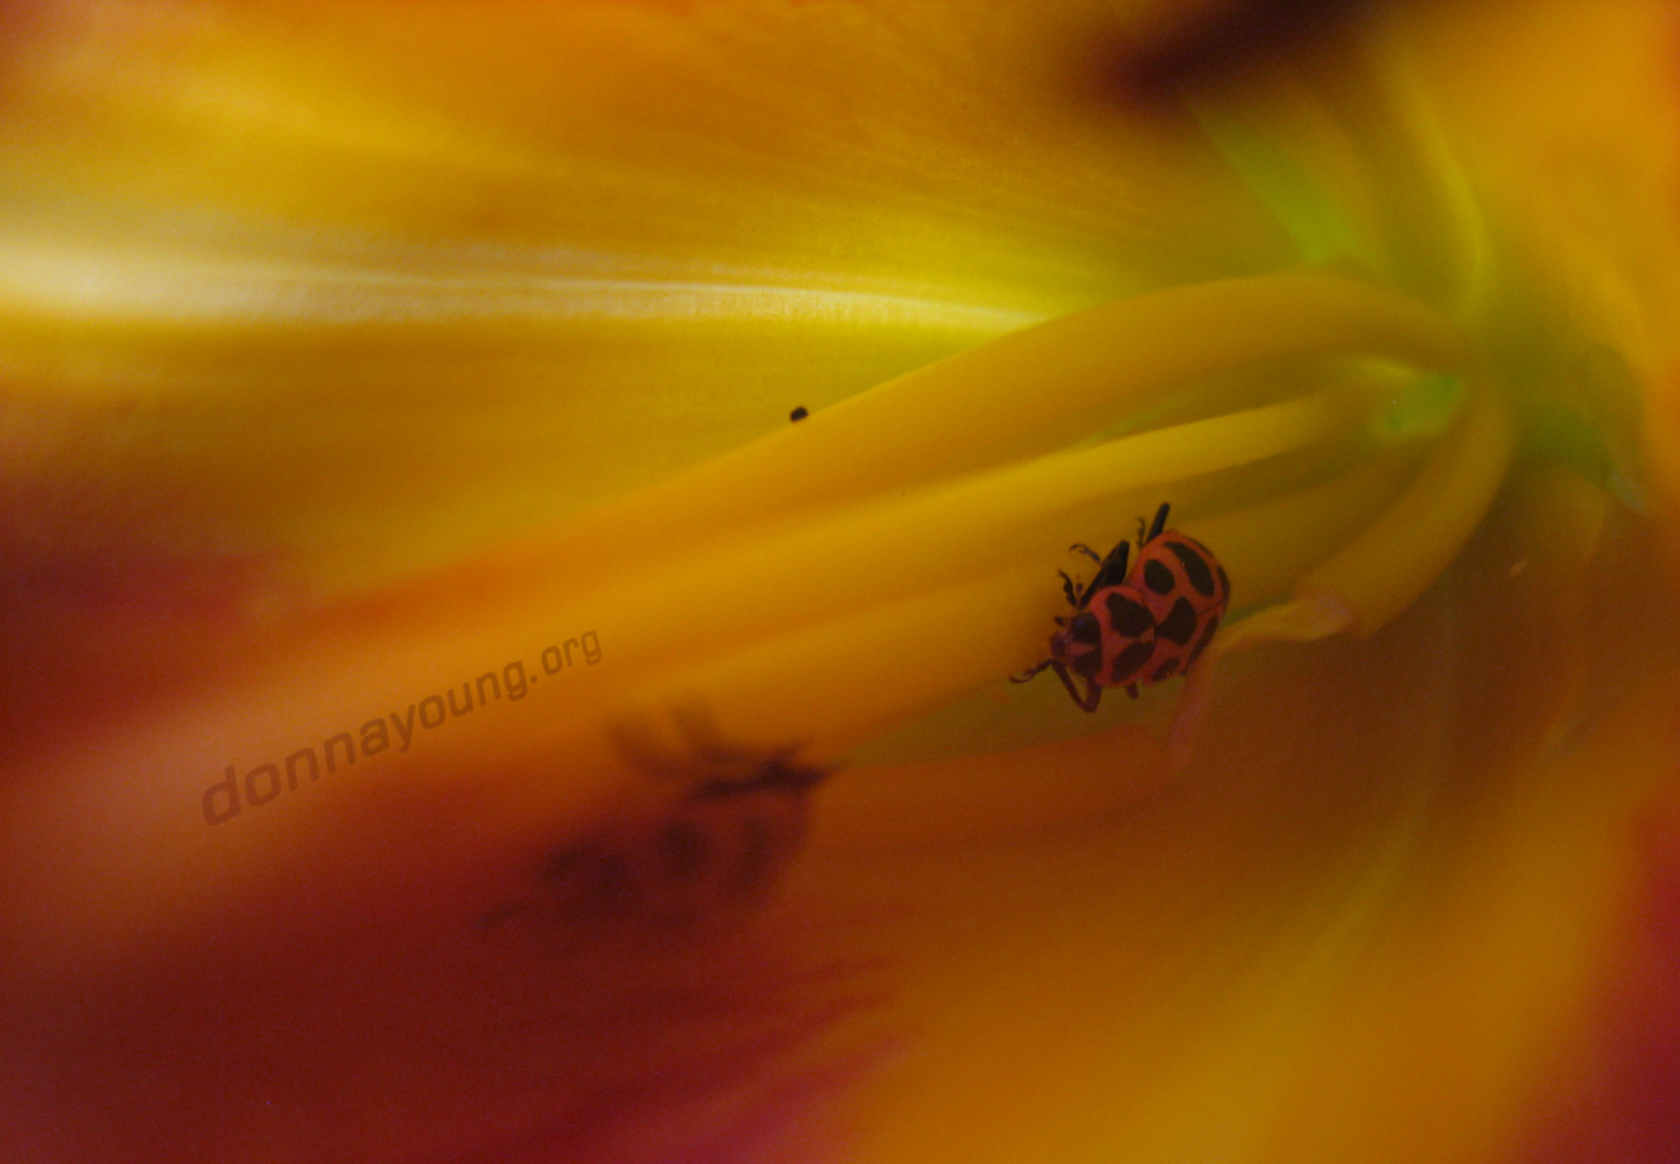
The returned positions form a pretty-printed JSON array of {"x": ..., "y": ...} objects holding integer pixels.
[{"x": 714, "y": 852}]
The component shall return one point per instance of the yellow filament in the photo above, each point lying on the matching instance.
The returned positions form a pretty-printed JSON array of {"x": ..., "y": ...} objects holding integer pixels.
[
  {"x": 1267, "y": 544},
  {"x": 863, "y": 604},
  {"x": 1019, "y": 516},
  {"x": 864, "y": 671},
  {"x": 866, "y": 607},
  {"x": 1384, "y": 570},
  {"x": 1028, "y": 392},
  {"x": 884, "y": 656},
  {"x": 1388, "y": 566}
]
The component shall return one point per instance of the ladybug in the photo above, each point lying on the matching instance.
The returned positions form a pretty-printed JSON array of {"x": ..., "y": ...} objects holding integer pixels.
[{"x": 1140, "y": 626}]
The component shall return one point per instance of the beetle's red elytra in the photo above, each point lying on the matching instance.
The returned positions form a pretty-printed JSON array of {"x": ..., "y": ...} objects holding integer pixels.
[{"x": 1138, "y": 626}]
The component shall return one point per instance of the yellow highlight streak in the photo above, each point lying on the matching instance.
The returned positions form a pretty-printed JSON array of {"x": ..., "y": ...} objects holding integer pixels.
[{"x": 168, "y": 291}]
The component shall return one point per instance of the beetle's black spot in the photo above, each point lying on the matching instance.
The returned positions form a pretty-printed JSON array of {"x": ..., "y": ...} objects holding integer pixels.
[
  {"x": 1157, "y": 577},
  {"x": 1165, "y": 671},
  {"x": 1201, "y": 643},
  {"x": 1081, "y": 650},
  {"x": 1195, "y": 566},
  {"x": 682, "y": 850},
  {"x": 799, "y": 413},
  {"x": 1127, "y": 662},
  {"x": 1127, "y": 616},
  {"x": 1179, "y": 624}
]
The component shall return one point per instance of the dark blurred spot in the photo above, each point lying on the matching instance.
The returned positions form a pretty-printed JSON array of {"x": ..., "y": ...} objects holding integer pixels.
[
  {"x": 564, "y": 864},
  {"x": 615, "y": 888},
  {"x": 779, "y": 773},
  {"x": 684, "y": 850},
  {"x": 1209, "y": 47},
  {"x": 799, "y": 413},
  {"x": 776, "y": 774},
  {"x": 757, "y": 864}
]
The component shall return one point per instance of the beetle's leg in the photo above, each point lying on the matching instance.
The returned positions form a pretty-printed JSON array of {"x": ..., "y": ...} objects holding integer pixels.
[
  {"x": 1089, "y": 700},
  {"x": 1131, "y": 689},
  {"x": 1031, "y": 671},
  {"x": 1067, "y": 588},
  {"x": 1093, "y": 695}
]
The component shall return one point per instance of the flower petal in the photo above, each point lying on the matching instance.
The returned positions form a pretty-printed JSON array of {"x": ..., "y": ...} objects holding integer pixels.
[{"x": 388, "y": 292}]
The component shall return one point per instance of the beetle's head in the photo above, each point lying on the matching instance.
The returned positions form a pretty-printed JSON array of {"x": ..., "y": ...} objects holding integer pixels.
[{"x": 1078, "y": 645}]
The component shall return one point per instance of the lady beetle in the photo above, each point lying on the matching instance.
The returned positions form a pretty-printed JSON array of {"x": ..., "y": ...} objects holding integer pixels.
[{"x": 1142, "y": 626}]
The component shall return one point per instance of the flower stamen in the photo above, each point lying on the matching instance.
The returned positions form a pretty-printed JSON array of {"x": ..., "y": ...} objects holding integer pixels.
[
  {"x": 1027, "y": 393},
  {"x": 1384, "y": 570}
]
